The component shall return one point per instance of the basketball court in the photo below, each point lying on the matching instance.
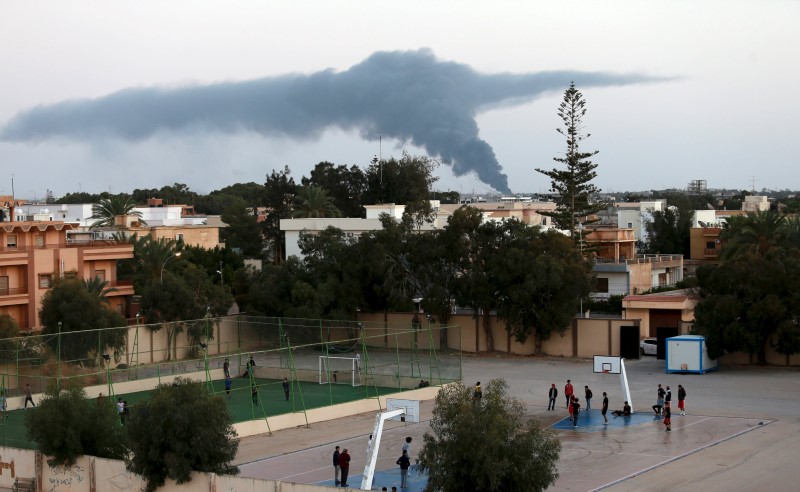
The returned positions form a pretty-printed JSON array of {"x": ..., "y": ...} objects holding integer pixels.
[{"x": 594, "y": 456}]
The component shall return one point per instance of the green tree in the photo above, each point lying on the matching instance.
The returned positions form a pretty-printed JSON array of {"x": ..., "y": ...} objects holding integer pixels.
[
  {"x": 400, "y": 181},
  {"x": 345, "y": 186},
  {"x": 179, "y": 301},
  {"x": 181, "y": 429},
  {"x": 754, "y": 234},
  {"x": 572, "y": 185},
  {"x": 474, "y": 245},
  {"x": 9, "y": 329},
  {"x": 313, "y": 202},
  {"x": 71, "y": 314},
  {"x": 487, "y": 444},
  {"x": 279, "y": 192},
  {"x": 107, "y": 209},
  {"x": 67, "y": 425},
  {"x": 540, "y": 280},
  {"x": 151, "y": 257},
  {"x": 750, "y": 302},
  {"x": 243, "y": 231}
]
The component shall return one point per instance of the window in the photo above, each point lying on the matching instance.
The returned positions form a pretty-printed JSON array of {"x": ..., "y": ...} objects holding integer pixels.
[
  {"x": 45, "y": 280},
  {"x": 630, "y": 225},
  {"x": 179, "y": 237},
  {"x": 601, "y": 285},
  {"x": 4, "y": 286},
  {"x": 11, "y": 241},
  {"x": 100, "y": 275},
  {"x": 39, "y": 240},
  {"x": 710, "y": 245}
]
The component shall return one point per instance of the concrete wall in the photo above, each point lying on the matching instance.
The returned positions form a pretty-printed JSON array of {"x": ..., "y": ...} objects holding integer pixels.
[{"x": 90, "y": 474}]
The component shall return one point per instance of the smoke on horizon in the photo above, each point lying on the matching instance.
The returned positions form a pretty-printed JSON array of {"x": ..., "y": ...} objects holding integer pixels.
[{"x": 407, "y": 95}]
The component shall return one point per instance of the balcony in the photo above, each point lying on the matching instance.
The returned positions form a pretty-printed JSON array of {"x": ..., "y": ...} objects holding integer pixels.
[
  {"x": 14, "y": 296},
  {"x": 711, "y": 252}
]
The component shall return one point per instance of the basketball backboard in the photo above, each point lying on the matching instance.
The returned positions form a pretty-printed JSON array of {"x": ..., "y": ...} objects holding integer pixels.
[
  {"x": 607, "y": 364},
  {"x": 410, "y": 406}
]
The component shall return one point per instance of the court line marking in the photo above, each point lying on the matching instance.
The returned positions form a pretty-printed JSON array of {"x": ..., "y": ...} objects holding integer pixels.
[{"x": 676, "y": 458}]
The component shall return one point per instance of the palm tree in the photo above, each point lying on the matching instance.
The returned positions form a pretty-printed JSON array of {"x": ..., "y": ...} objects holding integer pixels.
[
  {"x": 756, "y": 234},
  {"x": 108, "y": 209},
  {"x": 152, "y": 255},
  {"x": 313, "y": 202},
  {"x": 98, "y": 288}
]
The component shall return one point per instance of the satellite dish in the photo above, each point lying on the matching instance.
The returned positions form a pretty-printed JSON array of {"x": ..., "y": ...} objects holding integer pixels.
[{"x": 702, "y": 224}]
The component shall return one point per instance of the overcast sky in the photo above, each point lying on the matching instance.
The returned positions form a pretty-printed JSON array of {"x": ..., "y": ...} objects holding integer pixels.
[{"x": 112, "y": 96}]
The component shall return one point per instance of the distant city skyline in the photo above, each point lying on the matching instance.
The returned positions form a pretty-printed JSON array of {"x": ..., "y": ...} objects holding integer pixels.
[{"x": 711, "y": 95}]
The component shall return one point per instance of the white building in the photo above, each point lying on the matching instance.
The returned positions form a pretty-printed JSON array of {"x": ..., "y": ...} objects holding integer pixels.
[{"x": 636, "y": 215}]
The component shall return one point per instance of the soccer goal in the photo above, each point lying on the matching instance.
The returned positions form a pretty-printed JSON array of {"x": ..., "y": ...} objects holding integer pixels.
[{"x": 339, "y": 370}]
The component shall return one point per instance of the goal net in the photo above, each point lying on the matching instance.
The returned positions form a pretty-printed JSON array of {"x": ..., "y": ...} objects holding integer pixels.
[{"x": 339, "y": 370}]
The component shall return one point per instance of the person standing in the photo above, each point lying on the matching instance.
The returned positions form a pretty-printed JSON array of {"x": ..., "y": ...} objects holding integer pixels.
[
  {"x": 576, "y": 409},
  {"x": 568, "y": 391},
  {"x": 604, "y": 410},
  {"x": 286, "y": 388},
  {"x": 667, "y": 416},
  {"x": 659, "y": 400},
  {"x": 28, "y": 396},
  {"x": 344, "y": 464},
  {"x": 588, "y": 396},
  {"x": 407, "y": 446},
  {"x": 336, "y": 469},
  {"x": 553, "y": 394},
  {"x": 358, "y": 361},
  {"x": 668, "y": 397},
  {"x": 226, "y": 368},
  {"x": 254, "y": 392},
  {"x": 477, "y": 394},
  {"x": 404, "y": 463},
  {"x": 228, "y": 384},
  {"x": 681, "y": 399}
]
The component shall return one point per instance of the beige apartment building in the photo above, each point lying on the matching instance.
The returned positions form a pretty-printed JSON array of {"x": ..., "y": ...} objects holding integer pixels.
[{"x": 33, "y": 254}]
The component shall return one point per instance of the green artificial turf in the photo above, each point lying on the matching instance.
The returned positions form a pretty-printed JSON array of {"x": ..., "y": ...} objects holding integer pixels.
[{"x": 271, "y": 401}]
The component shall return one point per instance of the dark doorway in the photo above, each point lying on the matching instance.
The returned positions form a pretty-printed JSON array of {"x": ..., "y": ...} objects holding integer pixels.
[
  {"x": 629, "y": 342},
  {"x": 662, "y": 333}
]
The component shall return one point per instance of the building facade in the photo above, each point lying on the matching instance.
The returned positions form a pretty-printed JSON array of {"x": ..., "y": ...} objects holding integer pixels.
[{"x": 33, "y": 254}]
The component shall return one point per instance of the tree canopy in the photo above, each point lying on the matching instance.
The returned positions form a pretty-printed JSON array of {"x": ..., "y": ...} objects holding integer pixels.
[
  {"x": 487, "y": 444},
  {"x": 67, "y": 425},
  {"x": 181, "y": 428},
  {"x": 573, "y": 183},
  {"x": 107, "y": 209},
  {"x": 74, "y": 314},
  {"x": 752, "y": 299}
]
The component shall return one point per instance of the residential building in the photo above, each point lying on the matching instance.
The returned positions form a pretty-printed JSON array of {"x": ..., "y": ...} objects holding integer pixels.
[
  {"x": 673, "y": 310},
  {"x": 619, "y": 270},
  {"x": 636, "y": 215},
  {"x": 32, "y": 254},
  {"x": 175, "y": 222}
]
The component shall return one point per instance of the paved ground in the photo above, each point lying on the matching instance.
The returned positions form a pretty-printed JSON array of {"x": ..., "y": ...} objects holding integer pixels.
[{"x": 740, "y": 431}]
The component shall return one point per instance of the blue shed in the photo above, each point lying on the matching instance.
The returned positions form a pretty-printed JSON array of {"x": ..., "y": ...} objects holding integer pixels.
[{"x": 689, "y": 353}]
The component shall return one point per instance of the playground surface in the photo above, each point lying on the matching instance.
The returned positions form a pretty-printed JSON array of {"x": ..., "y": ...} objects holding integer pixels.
[
  {"x": 271, "y": 401},
  {"x": 739, "y": 432}
]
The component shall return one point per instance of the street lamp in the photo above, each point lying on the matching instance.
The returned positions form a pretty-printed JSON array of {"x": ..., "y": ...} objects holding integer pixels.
[
  {"x": 165, "y": 264},
  {"x": 221, "y": 279}
]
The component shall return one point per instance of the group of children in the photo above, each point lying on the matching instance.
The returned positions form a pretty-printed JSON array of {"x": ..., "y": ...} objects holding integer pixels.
[{"x": 663, "y": 406}]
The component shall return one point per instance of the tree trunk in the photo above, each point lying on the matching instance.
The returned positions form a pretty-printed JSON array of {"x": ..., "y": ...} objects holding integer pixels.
[
  {"x": 537, "y": 346},
  {"x": 487, "y": 330},
  {"x": 762, "y": 354}
]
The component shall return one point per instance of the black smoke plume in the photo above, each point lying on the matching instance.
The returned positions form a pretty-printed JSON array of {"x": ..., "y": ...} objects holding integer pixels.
[{"x": 407, "y": 95}]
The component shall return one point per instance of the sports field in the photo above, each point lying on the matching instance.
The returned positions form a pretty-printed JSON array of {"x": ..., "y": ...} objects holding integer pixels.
[{"x": 271, "y": 401}]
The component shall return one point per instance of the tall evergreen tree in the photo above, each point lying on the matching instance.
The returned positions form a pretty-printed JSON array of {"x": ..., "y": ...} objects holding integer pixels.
[{"x": 573, "y": 184}]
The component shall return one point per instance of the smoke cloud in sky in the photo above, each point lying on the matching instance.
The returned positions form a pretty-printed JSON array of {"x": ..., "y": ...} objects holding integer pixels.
[{"x": 410, "y": 96}]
